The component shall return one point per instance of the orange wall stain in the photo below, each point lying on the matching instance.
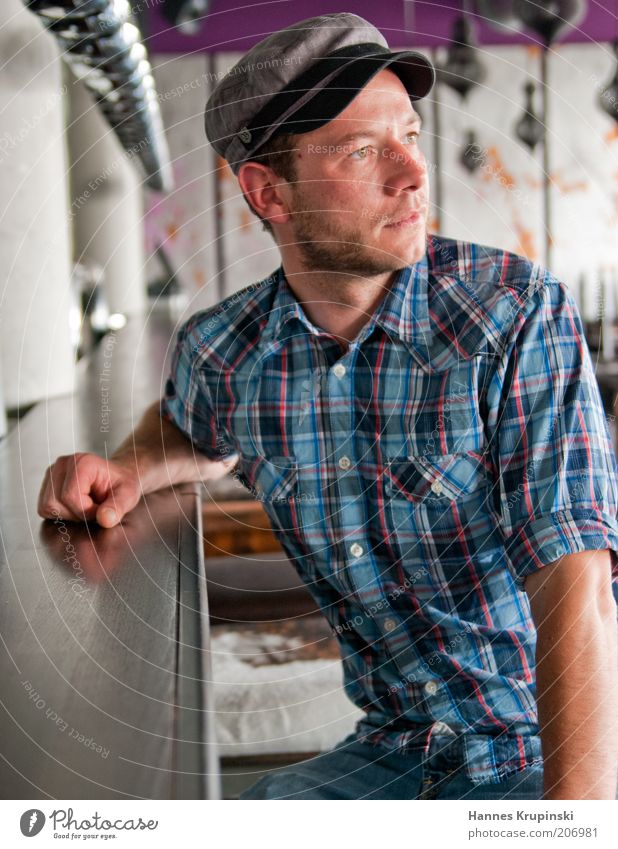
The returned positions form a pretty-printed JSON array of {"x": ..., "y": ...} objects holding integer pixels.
[
  {"x": 612, "y": 134},
  {"x": 224, "y": 172},
  {"x": 172, "y": 231},
  {"x": 244, "y": 219},
  {"x": 533, "y": 182},
  {"x": 494, "y": 169},
  {"x": 525, "y": 241},
  {"x": 567, "y": 188}
]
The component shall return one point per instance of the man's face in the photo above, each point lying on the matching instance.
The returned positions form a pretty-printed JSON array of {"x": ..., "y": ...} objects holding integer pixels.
[{"x": 359, "y": 178}]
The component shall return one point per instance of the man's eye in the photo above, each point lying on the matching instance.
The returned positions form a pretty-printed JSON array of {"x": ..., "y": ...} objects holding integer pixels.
[{"x": 414, "y": 133}]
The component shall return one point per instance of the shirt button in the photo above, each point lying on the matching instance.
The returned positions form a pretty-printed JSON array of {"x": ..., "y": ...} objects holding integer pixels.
[
  {"x": 345, "y": 463},
  {"x": 356, "y": 550},
  {"x": 339, "y": 370},
  {"x": 431, "y": 688},
  {"x": 390, "y": 624},
  {"x": 436, "y": 487},
  {"x": 442, "y": 728}
]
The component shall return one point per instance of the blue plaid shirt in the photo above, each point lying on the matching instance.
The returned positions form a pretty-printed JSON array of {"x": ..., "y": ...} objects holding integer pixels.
[{"x": 416, "y": 480}]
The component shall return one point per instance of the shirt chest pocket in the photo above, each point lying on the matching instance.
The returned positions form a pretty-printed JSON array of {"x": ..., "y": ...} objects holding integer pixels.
[
  {"x": 436, "y": 479},
  {"x": 439, "y": 508}
]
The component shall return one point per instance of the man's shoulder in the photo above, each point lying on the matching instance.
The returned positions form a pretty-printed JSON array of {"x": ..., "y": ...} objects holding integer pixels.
[
  {"x": 480, "y": 290},
  {"x": 221, "y": 332}
]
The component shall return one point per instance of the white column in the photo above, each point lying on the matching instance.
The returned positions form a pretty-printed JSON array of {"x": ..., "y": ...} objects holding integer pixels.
[
  {"x": 35, "y": 257},
  {"x": 106, "y": 203}
]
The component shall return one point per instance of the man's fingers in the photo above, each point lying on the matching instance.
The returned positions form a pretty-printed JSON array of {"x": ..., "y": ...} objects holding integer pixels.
[
  {"x": 41, "y": 505},
  {"x": 81, "y": 471},
  {"x": 85, "y": 486},
  {"x": 123, "y": 498},
  {"x": 50, "y": 505}
]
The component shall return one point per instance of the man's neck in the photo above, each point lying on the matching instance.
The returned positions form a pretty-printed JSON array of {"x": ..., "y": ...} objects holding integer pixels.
[{"x": 340, "y": 304}]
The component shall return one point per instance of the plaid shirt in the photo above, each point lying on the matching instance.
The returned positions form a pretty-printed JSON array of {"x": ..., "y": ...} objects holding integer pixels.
[{"x": 416, "y": 479}]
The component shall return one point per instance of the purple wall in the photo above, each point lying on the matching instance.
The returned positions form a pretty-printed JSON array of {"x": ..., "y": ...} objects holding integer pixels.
[{"x": 233, "y": 26}]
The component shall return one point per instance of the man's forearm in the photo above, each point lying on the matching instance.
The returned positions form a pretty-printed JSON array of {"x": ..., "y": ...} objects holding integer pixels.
[
  {"x": 163, "y": 456},
  {"x": 577, "y": 694}
]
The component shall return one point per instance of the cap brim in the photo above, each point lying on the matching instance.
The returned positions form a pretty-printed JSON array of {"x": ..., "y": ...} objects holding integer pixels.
[{"x": 415, "y": 72}]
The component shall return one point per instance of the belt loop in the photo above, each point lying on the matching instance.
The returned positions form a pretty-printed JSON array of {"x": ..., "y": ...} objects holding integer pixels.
[{"x": 442, "y": 757}]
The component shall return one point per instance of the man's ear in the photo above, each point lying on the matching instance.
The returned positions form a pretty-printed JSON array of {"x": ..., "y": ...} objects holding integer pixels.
[{"x": 265, "y": 191}]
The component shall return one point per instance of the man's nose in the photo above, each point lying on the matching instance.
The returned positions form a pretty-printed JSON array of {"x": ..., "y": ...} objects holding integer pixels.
[{"x": 405, "y": 167}]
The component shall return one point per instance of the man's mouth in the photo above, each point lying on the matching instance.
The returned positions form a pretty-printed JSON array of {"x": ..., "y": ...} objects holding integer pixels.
[{"x": 411, "y": 218}]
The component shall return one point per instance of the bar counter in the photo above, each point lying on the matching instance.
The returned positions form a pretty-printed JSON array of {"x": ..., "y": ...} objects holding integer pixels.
[{"x": 104, "y": 632}]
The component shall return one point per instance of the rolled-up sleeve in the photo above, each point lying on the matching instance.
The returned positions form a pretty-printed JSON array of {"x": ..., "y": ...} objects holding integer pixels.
[
  {"x": 187, "y": 401},
  {"x": 556, "y": 469}
]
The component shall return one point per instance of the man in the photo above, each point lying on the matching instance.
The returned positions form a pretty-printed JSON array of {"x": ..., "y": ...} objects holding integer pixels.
[{"x": 421, "y": 420}]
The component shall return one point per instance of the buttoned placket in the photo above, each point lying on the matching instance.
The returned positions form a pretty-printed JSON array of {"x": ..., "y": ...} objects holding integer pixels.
[
  {"x": 350, "y": 512},
  {"x": 360, "y": 578},
  {"x": 362, "y": 571}
]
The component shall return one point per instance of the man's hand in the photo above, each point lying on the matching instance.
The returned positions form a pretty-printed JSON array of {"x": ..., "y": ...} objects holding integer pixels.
[
  {"x": 84, "y": 486},
  {"x": 577, "y": 675},
  {"x": 156, "y": 455}
]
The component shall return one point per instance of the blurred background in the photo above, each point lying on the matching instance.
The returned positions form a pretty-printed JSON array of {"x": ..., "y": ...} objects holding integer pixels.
[{"x": 112, "y": 197}]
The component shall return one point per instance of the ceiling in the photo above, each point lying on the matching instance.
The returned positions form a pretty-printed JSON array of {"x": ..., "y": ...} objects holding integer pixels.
[{"x": 237, "y": 26}]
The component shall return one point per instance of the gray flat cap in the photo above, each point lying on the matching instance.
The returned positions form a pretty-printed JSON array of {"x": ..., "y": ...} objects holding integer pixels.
[{"x": 301, "y": 77}]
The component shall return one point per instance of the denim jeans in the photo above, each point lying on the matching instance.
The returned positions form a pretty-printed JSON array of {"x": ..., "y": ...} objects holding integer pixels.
[{"x": 355, "y": 770}]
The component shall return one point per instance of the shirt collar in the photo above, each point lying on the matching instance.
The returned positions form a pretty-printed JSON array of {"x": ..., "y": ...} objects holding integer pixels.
[{"x": 403, "y": 312}]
